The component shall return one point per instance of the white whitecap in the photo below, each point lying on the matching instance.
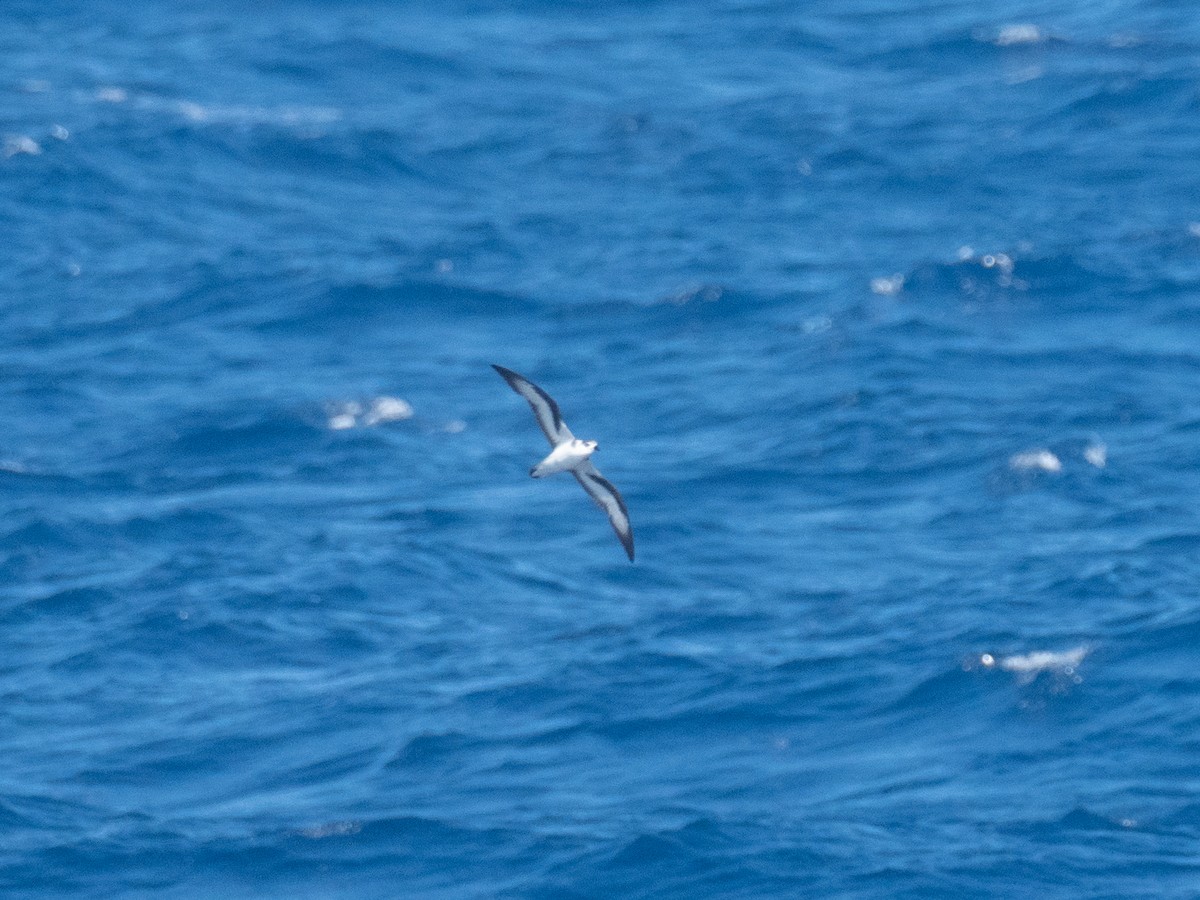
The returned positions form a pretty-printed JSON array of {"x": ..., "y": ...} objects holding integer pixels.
[
  {"x": 331, "y": 829},
  {"x": 1029, "y": 665},
  {"x": 387, "y": 409},
  {"x": 193, "y": 111},
  {"x": 817, "y": 325},
  {"x": 342, "y": 416},
  {"x": 354, "y": 414},
  {"x": 1123, "y": 40},
  {"x": 888, "y": 287},
  {"x": 1096, "y": 454},
  {"x": 1016, "y": 35},
  {"x": 1035, "y": 460},
  {"x": 112, "y": 95},
  {"x": 21, "y": 144},
  {"x": 233, "y": 114}
]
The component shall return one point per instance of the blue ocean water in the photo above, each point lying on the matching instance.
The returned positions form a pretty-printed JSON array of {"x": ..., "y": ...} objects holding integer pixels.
[{"x": 885, "y": 315}]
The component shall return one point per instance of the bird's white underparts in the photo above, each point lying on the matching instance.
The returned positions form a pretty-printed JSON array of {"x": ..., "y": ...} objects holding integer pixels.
[
  {"x": 569, "y": 454},
  {"x": 566, "y": 457}
]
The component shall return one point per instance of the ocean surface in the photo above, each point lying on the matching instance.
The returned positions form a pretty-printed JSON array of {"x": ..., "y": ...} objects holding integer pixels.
[{"x": 886, "y": 316}]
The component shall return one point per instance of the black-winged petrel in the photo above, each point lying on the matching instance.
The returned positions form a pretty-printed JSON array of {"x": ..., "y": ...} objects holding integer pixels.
[{"x": 569, "y": 454}]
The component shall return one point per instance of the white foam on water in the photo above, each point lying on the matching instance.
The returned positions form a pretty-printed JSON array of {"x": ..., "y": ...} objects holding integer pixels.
[
  {"x": 387, "y": 409},
  {"x": 1027, "y": 666},
  {"x": 817, "y": 325},
  {"x": 1016, "y": 35},
  {"x": 343, "y": 415},
  {"x": 112, "y": 95},
  {"x": 232, "y": 114},
  {"x": 19, "y": 144},
  {"x": 888, "y": 287},
  {"x": 1041, "y": 660},
  {"x": 331, "y": 829},
  {"x": 1035, "y": 460},
  {"x": 301, "y": 118},
  {"x": 353, "y": 414}
]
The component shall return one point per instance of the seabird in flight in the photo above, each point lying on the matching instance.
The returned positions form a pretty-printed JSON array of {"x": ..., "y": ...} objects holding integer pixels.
[{"x": 569, "y": 454}]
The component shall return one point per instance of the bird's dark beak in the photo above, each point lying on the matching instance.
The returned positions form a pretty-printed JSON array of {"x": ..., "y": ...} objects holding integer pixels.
[{"x": 597, "y": 447}]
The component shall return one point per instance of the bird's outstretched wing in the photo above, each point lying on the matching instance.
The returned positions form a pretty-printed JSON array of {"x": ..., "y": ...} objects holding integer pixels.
[
  {"x": 544, "y": 407},
  {"x": 608, "y": 497}
]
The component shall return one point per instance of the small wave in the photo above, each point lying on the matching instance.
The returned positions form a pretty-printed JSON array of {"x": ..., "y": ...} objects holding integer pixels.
[
  {"x": 648, "y": 849},
  {"x": 697, "y": 840},
  {"x": 242, "y": 433},
  {"x": 704, "y": 293},
  {"x": 941, "y": 691},
  {"x": 988, "y": 275},
  {"x": 434, "y": 749},
  {"x": 1002, "y": 263},
  {"x": 1187, "y": 815},
  {"x": 1015, "y": 278},
  {"x": 363, "y": 305},
  {"x": 73, "y": 601},
  {"x": 1084, "y": 819}
]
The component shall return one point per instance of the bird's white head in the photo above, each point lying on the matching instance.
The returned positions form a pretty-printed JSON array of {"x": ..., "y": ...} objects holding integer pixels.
[{"x": 590, "y": 446}]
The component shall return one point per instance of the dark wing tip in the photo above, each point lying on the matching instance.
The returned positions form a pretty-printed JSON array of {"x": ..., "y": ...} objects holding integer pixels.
[
  {"x": 507, "y": 374},
  {"x": 516, "y": 381},
  {"x": 626, "y": 536}
]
